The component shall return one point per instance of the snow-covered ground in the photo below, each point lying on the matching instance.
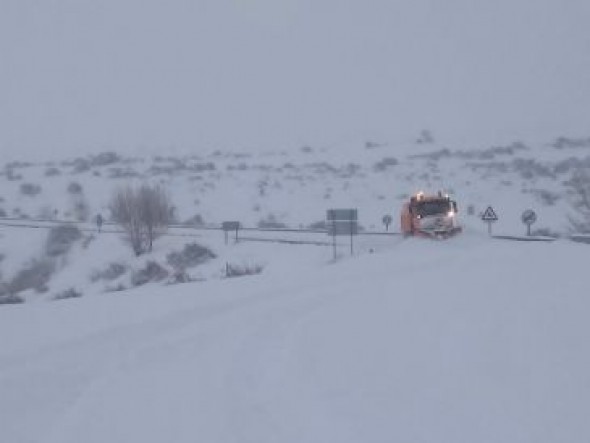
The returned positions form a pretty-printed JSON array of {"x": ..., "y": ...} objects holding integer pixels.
[
  {"x": 473, "y": 339},
  {"x": 468, "y": 340}
]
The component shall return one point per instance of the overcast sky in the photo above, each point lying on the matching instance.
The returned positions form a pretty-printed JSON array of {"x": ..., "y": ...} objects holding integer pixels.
[{"x": 86, "y": 75}]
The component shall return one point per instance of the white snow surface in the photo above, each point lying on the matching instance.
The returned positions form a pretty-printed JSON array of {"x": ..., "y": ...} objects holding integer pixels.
[{"x": 467, "y": 340}]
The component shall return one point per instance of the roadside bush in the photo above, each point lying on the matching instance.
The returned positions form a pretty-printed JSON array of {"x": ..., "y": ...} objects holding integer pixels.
[
  {"x": 81, "y": 165},
  {"x": 60, "y": 239},
  {"x": 192, "y": 255},
  {"x": 111, "y": 272},
  {"x": 34, "y": 276},
  {"x": 232, "y": 270},
  {"x": 75, "y": 188},
  {"x": 179, "y": 277},
  {"x": 545, "y": 232},
  {"x": 52, "y": 172},
  {"x": 68, "y": 293},
  {"x": 118, "y": 288},
  {"x": 11, "y": 299},
  {"x": 105, "y": 158},
  {"x": 153, "y": 271}
]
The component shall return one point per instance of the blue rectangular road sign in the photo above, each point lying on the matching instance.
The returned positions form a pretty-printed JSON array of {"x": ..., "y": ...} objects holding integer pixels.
[
  {"x": 342, "y": 214},
  {"x": 230, "y": 225}
]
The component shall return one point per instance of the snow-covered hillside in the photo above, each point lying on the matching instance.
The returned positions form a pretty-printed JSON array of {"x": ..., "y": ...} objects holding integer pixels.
[
  {"x": 460, "y": 341},
  {"x": 270, "y": 189}
]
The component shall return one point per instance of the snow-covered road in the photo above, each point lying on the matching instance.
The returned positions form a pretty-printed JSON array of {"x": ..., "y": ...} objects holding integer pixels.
[{"x": 469, "y": 340}]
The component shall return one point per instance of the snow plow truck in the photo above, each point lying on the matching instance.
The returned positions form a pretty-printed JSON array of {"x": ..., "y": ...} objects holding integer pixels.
[{"x": 433, "y": 216}]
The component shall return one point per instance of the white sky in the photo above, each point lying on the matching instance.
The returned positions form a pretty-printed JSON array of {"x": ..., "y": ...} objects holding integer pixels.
[{"x": 86, "y": 75}]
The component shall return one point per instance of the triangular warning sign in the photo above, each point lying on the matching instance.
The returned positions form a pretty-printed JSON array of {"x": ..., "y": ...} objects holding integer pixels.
[{"x": 489, "y": 215}]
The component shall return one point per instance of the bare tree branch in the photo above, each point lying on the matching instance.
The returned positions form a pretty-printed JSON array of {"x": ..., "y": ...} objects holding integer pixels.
[{"x": 143, "y": 212}]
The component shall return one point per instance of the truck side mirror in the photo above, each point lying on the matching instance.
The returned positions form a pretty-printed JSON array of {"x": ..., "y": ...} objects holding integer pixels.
[{"x": 455, "y": 210}]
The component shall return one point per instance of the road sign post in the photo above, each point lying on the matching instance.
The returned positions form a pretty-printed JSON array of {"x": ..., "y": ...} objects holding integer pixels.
[
  {"x": 528, "y": 217},
  {"x": 489, "y": 216},
  {"x": 387, "y": 221},
  {"x": 230, "y": 226},
  {"x": 342, "y": 222}
]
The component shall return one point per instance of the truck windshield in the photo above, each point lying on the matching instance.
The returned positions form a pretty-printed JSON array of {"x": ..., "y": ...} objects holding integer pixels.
[{"x": 437, "y": 207}]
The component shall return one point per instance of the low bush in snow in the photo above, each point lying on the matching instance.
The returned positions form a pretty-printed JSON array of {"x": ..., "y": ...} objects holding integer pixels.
[
  {"x": 30, "y": 189},
  {"x": 192, "y": 255},
  {"x": 232, "y": 270},
  {"x": 385, "y": 164},
  {"x": 68, "y": 293},
  {"x": 545, "y": 232},
  {"x": 52, "y": 172},
  {"x": 35, "y": 276},
  {"x": 111, "y": 272},
  {"x": 105, "y": 158},
  {"x": 75, "y": 188},
  {"x": 117, "y": 288},
  {"x": 11, "y": 299},
  {"x": 153, "y": 271}
]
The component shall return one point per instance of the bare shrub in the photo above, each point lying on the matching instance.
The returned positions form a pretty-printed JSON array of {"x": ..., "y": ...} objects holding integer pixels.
[
  {"x": 531, "y": 168},
  {"x": 546, "y": 197},
  {"x": 192, "y": 255},
  {"x": 30, "y": 189},
  {"x": 127, "y": 172},
  {"x": 153, "y": 271},
  {"x": 232, "y": 270},
  {"x": 67, "y": 294},
  {"x": 75, "y": 188},
  {"x": 110, "y": 273},
  {"x": 385, "y": 164},
  {"x": 34, "y": 276},
  {"x": 11, "y": 175},
  {"x": 144, "y": 213},
  {"x": 179, "y": 277},
  {"x": 81, "y": 165},
  {"x": 60, "y": 239},
  {"x": 105, "y": 158},
  {"x": 52, "y": 172},
  {"x": 11, "y": 299},
  {"x": 117, "y": 288},
  {"x": 565, "y": 143}
]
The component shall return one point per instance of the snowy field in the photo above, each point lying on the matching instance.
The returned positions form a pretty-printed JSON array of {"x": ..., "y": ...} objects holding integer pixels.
[
  {"x": 472, "y": 339},
  {"x": 468, "y": 340}
]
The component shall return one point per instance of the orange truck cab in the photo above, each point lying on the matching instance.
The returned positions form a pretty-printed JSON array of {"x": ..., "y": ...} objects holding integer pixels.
[{"x": 430, "y": 216}]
